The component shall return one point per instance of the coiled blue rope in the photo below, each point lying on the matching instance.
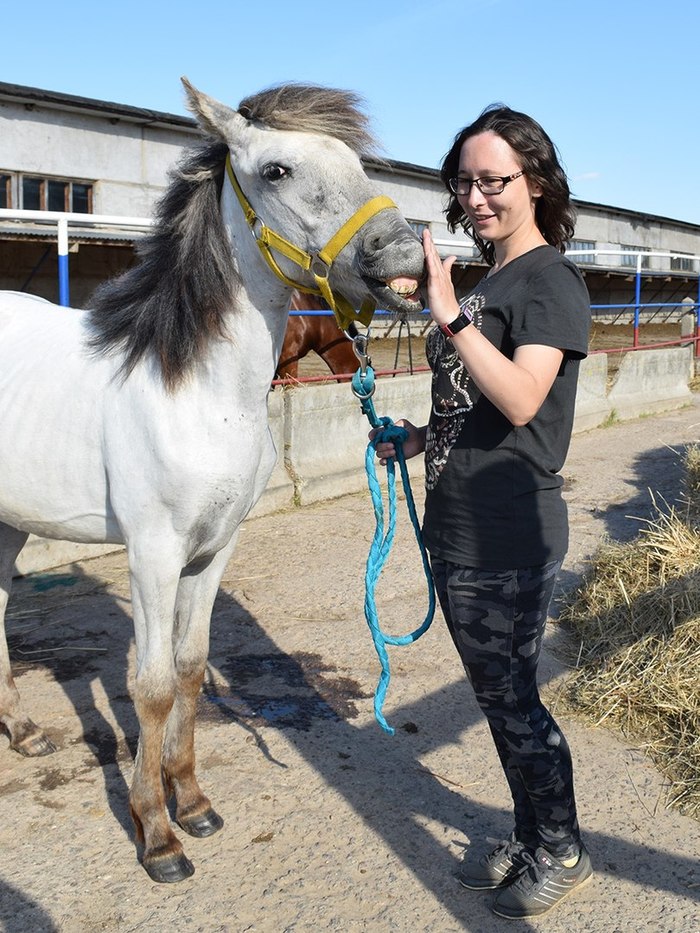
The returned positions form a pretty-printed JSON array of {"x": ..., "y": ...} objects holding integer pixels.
[{"x": 363, "y": 385}]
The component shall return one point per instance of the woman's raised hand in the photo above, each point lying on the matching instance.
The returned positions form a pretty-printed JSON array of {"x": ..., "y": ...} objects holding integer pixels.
[{"x": 440, "y": 293}]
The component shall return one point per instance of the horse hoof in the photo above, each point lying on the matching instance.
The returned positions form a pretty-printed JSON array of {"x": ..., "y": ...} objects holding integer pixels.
[
  {"x": 169, "y": 869},
  {"x": 34, "y": 746},
  {"x": 201, "y": 824}
]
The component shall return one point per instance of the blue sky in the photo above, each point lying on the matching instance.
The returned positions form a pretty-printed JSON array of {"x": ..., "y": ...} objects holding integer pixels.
[{"x": 614, "y": 83}]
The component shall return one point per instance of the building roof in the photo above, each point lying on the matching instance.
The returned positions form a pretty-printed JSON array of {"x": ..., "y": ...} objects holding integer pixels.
[
  {"x": 55, "y": 100},
  {"x": 141, "y": 115},
  {"x": 26, "y": 230}
]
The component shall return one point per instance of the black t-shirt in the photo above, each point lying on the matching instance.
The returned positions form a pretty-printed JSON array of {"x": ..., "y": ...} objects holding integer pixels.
[{"x": 493, "y": 490}]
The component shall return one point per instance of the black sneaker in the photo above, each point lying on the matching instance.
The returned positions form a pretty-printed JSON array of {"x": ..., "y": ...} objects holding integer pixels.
[
  {"x": 496, "y": 868},
  {"x": 541, "y": 885}
]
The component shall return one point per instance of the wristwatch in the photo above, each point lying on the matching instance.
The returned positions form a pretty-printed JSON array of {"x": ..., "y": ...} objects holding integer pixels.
[{"x": 462, "y": 320}]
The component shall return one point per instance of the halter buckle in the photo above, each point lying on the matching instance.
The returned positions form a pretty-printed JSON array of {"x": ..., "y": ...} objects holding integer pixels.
[{"x": 257, "y": 234}]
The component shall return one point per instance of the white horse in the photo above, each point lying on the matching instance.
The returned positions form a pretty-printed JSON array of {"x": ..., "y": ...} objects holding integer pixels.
[{"x": 143, "y": 421}]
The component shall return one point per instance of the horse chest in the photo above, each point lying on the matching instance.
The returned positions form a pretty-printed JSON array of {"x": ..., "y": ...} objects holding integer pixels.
[
  {"x": 201, "y": 476},
  {"x": 211, "y": 511}
]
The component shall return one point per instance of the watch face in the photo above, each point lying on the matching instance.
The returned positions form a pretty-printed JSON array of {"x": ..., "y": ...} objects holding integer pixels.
[{"x": 459, "y": 323}]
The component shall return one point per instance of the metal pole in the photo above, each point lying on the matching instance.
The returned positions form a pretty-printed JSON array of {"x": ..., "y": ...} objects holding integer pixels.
[
  {"x": 63, "y": 286},
  {"x": 697, "y": 322},
  {"x": 637, "y": 299}
]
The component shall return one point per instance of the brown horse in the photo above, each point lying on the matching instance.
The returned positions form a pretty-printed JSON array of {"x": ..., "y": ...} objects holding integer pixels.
[{"x": 317, "y": 332}]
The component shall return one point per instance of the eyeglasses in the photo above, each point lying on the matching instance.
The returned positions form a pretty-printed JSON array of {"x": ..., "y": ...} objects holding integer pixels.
[{"x": 489, "y": 184}]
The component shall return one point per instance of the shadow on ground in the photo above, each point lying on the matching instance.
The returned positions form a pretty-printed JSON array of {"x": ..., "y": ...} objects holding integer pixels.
[{"x": 255, "y": 686}]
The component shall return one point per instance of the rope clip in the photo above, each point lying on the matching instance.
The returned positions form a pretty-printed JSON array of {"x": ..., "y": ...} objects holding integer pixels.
[{"x": 360, "y": 346}]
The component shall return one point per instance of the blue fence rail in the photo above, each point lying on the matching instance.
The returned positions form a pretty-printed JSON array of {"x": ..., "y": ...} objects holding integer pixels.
[
  {"x": 640, "y": 258},
  {"x": 62, "y": 221}
]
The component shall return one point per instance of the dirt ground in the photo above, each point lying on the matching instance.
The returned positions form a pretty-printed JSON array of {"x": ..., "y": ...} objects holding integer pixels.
[{"x": 329, "y": 823}]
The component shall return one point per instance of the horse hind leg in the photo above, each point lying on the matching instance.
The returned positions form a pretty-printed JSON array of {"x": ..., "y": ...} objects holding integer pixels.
[{"x": 25, "y": 736}]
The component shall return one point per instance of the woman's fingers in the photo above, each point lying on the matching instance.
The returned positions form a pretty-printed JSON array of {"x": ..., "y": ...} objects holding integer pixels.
[{"x": 440, "y": 290}]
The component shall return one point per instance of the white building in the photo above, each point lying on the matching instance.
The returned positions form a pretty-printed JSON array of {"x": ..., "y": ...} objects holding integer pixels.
[{"x": 65, "y": 153}]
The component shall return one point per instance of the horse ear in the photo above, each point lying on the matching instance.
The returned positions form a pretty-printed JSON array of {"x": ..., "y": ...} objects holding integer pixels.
[{"x": 215, "y": 118}]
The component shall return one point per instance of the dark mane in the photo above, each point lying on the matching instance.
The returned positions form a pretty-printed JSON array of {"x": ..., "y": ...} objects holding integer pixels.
[
  {"x": 310, "y": 108},
  {"x": 173, "y": 301}
]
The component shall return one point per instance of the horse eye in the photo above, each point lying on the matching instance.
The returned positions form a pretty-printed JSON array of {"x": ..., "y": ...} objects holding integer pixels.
[{"x": 274, "y": 172}]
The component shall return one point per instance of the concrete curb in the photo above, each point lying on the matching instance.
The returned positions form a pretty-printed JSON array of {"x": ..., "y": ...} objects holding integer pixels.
[
  {"x": 650, "y": 381},
  {"x": 592, "y": 405},
  {"x": 321, "y": 435}
]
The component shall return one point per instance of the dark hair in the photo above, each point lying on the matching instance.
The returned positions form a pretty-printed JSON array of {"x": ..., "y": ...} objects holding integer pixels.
[{"x": 554, "y": 214}]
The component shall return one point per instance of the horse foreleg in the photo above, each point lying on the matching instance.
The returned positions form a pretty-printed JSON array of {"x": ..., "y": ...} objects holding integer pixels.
[
  {"x": 153, "y": 591},
  {"x": 339, "y": 356},
  {"x": 195, "y": 599},
  {"x": 288, "y": 368},
  {"x": 25, "y": 736}
]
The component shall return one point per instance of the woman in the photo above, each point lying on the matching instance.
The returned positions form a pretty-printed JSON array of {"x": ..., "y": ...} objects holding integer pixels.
[{"x": 505, "y": 364}]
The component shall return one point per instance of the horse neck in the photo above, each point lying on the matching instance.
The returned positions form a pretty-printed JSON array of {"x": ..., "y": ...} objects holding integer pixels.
[{"x": 257, "y": 323}]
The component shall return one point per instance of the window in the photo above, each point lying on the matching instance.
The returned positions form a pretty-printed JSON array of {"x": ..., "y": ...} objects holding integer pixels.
[
  {"x": 581, "y": 245},
  {"x": 631, "y": 260},
  {"x": 5, "y": 193},
  {"x": 55, "y": 194},
  {"x": 81, "y": 198},
  {"x": 683, "y": 264},
  {"x": 31, "y": 194}
]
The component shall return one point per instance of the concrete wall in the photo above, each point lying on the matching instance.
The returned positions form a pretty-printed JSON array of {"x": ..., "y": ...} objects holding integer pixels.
[
  {"x": 610, "y": 228},
  {"x": 126, "y": 152},
  {"x": 126, "y": 161},
  {"x": 592, "y": 406},
  {"x": 321, "y": 433},
  {"x": 651, "y": 381},
  {"x": 326, "y": 433}
]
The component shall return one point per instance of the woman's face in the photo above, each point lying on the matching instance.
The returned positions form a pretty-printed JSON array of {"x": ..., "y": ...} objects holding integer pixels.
[{"x": 499, "y": 218}]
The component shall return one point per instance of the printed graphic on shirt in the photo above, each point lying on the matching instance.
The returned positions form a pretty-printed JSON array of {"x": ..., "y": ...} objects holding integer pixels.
[{"x": 450, "y": 391}]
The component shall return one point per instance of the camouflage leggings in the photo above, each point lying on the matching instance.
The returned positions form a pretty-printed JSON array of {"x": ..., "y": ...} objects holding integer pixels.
[{"x": 496, "y": 619}]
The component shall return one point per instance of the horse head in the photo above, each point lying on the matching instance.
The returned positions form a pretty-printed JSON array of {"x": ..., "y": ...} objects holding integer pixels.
[{"x": 295, "y": 164}]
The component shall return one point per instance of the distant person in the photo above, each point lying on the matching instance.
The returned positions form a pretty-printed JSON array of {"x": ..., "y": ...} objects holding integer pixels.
[{"x": 505, "y": 364}]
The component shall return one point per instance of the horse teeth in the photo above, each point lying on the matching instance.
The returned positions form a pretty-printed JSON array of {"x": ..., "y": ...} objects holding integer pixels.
[
  {"x": 403, "y": 290},
  {"x": 402, "y": 285}
]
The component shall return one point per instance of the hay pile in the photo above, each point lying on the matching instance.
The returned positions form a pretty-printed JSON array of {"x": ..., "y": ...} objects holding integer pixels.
[{"x": 636, "y": 622}]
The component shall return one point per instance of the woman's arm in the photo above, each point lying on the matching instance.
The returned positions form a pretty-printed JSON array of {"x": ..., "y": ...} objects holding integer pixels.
[{"x": 516, "y": 387}]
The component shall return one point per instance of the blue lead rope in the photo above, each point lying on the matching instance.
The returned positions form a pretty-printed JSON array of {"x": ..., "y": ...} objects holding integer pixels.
[{"x": 363, "y": 387}]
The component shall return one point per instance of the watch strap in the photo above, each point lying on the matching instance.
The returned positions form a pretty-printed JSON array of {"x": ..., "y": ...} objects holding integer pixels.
[{"x": 462, "y": 320}]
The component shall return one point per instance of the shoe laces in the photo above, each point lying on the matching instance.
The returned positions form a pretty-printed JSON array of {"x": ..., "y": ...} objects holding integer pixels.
[
  {"x": 534, "y": 873},
  {"x": 501, "y": 845},
  {"x": 498, "y": 843}
]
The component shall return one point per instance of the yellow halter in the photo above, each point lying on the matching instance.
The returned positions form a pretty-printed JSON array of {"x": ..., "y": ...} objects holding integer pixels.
[{"x": 318, "y": 264}]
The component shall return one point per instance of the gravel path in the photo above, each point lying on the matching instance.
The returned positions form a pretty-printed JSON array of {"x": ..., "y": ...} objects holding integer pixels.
[{"x": 330, "y": 824}]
